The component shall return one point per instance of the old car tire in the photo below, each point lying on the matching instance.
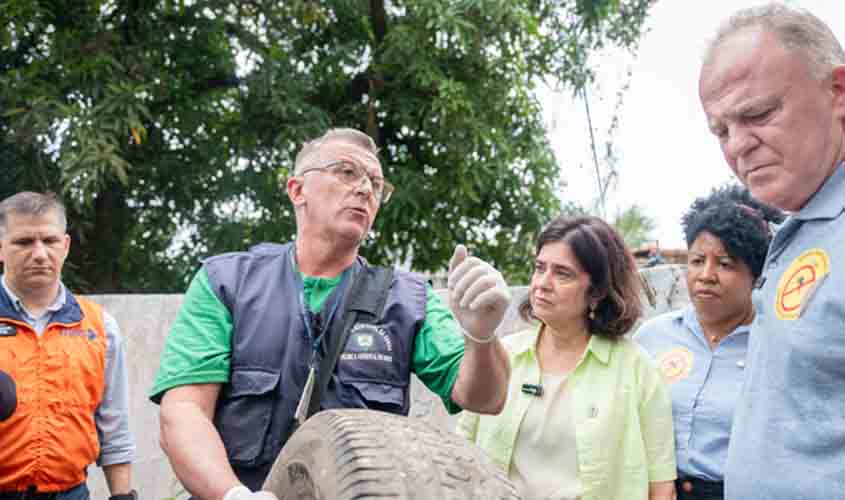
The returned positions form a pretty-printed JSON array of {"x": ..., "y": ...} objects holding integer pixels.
[{"x": 363, "y": 454}]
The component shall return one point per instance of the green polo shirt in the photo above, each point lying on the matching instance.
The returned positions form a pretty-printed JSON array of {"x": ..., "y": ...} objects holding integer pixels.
[
  {"x": 198, "y": 348},
  {"x": 622, "y": 415}
]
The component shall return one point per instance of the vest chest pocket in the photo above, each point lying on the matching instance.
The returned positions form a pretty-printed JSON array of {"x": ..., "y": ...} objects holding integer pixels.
[
  {"x": 245, "y": 413},
  {"x": 371, "y": 354},
  {"x": 372, "y": 395},
  {"x": 373, "y": 371}
]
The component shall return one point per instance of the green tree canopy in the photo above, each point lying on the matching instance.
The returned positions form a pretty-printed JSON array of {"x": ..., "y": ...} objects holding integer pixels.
[
  {"x": 634, "y": 225},
  {"x": 168, "y": 125}
]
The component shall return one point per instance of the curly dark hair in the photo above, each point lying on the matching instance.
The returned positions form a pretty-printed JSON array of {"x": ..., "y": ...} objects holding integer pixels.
[
  {"x": 739, "y": 221},
  {"x": 602, "y": 254}
]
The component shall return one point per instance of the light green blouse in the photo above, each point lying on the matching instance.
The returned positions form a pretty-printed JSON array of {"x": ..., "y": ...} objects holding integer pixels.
[{"x": 621, "y": 409}]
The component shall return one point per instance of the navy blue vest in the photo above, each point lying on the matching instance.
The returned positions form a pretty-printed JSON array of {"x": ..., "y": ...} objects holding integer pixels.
[{"x": 271, "y": 351}]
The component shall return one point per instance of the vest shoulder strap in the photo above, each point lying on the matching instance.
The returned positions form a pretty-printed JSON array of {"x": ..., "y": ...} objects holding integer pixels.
[{"x": 366, "y": 297}]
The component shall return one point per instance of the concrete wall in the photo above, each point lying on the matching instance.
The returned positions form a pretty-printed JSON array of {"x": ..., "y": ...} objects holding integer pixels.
[{"x": 145, "y": 320}]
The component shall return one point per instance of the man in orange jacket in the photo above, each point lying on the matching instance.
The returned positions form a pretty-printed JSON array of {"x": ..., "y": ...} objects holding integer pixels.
[{"x": 67, "y": 359}]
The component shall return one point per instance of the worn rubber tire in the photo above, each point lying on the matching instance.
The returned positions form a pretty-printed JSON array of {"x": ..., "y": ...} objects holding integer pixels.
[{"x": 364, "y": 454}]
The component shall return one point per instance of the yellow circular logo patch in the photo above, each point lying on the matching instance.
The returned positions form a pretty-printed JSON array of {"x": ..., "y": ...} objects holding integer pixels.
[
  {"x": 676, "y": 364},
  {"x": 798, "y": 281}
]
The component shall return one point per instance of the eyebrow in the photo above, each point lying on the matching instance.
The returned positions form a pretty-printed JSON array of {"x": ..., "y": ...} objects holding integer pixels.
[
  {"x": 361, "y": 157},
  {"x": 755, "y": 105},
  {"x": 702, "y": 254},
  {"x": 556, "y": 266},
  {"x": 363, "y": 161}
]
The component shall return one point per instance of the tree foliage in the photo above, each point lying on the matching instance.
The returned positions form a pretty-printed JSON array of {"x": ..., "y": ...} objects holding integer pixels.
[
  {"x": 634, "y": 225},
  {"x": 168, "y": 125}
]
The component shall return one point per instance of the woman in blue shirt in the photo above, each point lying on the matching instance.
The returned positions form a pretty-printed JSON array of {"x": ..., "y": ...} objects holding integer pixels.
[{"x": 701, "y": 349}]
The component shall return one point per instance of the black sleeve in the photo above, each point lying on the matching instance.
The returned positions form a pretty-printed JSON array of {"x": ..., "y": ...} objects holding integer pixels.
[{"x": 8, "y": 396}]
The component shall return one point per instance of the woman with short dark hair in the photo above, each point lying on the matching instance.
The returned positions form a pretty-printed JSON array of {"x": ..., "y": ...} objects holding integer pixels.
[
  {"x": 587, "y": 414},
  {"x": 701, "y": 348}
]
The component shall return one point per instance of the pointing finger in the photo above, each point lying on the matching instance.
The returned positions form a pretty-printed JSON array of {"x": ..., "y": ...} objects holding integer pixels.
[{"x": 459, "y": 256}]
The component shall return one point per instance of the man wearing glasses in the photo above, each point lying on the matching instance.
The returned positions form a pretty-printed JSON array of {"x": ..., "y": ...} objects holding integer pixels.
[{"x": 241, "y": 361}]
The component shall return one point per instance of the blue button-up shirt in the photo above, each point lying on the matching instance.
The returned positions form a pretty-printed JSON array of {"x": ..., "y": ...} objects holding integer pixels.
[{"x": 705, "y": 384}]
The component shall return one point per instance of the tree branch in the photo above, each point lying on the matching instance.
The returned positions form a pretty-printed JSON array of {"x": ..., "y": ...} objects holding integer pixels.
[{"x": 378, "y": 18}]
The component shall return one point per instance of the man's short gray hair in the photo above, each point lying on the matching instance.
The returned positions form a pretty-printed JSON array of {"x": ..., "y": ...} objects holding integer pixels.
[
  {"x": 345, "y": 135},
  {"x": 31, "y": 203},
  {"x": 796, "y": 28}
]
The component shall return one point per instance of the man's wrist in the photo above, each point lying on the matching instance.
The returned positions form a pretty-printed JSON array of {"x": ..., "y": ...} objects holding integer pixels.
[{"x": 132, "y": 495}]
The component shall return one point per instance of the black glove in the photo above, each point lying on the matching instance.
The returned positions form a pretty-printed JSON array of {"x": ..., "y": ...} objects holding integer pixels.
[
  {"x": 132, "y": 495},
  {"x": 8, "y": 396}
]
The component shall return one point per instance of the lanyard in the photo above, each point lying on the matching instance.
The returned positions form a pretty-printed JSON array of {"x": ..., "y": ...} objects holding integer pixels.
[
  {"x": 315, "y": 326},
  {"x": 316, "y": 329}
]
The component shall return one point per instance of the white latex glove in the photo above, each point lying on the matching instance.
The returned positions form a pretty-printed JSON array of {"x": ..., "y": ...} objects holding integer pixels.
[
  {"x": 478, "y": 294},
  {"x": 243, "y": 493}
]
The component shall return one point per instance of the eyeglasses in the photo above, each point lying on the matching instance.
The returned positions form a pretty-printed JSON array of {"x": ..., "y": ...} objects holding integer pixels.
[{"x": 353, "y": 175}]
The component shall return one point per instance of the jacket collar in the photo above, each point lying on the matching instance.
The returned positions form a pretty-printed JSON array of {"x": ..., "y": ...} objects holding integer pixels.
[
  {"x": 689, "y": 318},
  {"x": 828, "y": 202},
  {"x": 65, "y": 308},
  {"x": 598, "y": 346}
]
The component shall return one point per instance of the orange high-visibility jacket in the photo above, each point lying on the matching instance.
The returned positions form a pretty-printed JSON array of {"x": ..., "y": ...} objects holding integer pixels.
[{"x": 51, "y": 437}]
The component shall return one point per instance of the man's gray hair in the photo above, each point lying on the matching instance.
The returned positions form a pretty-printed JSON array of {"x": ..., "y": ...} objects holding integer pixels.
[
  {"x": 796, "y": 28},
  {"x": 346, "y": 135},
  {"x": 31, "y": 203}
]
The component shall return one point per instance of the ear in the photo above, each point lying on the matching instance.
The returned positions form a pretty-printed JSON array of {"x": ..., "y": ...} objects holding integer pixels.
[
  {"x": 67, "y": 244},
  {"x": 294, "y": 186},
  {"x": 596, "y": 296},
  {"x": 837, "y": 87}
]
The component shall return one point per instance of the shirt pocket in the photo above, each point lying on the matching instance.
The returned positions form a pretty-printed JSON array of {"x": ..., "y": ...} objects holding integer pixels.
[
  {"x": 249, "y": 405},
  {"x": 605, "y": 421}
]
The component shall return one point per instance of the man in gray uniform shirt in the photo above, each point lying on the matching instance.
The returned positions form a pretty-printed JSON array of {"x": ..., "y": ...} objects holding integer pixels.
[{"x": 773, "y": 89}]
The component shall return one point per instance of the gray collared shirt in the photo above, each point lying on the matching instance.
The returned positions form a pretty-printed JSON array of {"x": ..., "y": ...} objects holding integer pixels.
[
  {"x": 112, "y": 416},
  {"x": 788, "y": 435}
]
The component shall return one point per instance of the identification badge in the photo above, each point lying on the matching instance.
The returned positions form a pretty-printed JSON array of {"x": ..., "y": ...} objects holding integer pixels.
[
  {"x": 301, "y": 413},
  {"x": 805, "y": 302},
  {"x": 799, "y": 283},
  {"x": 7, "y": 330}
]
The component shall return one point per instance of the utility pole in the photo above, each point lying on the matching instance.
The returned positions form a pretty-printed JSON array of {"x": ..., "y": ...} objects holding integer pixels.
[{"x": 602, "y": 186}]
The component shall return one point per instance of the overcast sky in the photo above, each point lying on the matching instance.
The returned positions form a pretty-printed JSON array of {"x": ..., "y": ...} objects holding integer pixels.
[{"x": 667, "y": 157}]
